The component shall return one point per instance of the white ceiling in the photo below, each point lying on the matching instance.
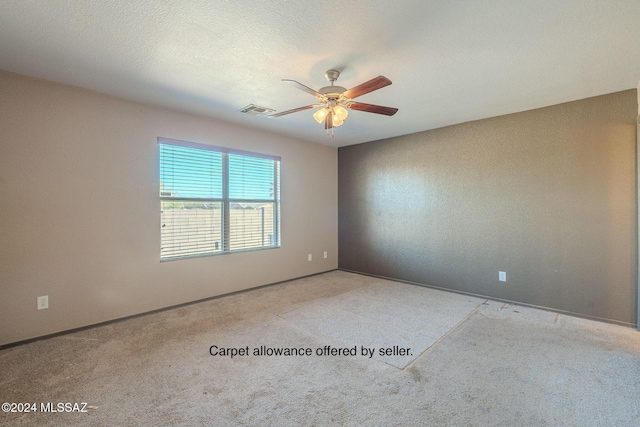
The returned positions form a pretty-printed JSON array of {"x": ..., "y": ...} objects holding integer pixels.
[{"x": 450, "y": 61}]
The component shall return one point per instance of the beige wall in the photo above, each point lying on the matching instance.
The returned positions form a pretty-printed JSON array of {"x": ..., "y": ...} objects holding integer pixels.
[
  {"x": 548, "y": 195},
  {"x": 80, "y": 218},
  {"x": 638, "y": 211}
]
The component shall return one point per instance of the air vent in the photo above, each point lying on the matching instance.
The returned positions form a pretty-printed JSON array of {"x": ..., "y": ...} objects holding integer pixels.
[{"x": 256, "y": 110}]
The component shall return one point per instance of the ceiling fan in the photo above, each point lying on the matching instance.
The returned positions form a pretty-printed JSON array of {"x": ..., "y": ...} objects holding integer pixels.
[{"x": 336, "y": 100}]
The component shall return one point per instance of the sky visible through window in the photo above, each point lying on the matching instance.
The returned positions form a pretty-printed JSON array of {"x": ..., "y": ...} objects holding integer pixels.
[{"x": 197, "y": 173}]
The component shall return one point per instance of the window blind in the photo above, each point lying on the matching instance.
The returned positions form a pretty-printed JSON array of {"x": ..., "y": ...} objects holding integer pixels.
[{"x": 217, "y": 200}]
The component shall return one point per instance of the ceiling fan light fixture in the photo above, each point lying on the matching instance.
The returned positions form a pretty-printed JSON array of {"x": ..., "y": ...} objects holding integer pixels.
[
  {"x": 320, "y": 115},
  {"x": 340, "y": 112}
]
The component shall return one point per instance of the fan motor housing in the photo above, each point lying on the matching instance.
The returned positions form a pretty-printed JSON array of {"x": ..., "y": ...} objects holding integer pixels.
[{"x": 332, "y": 91}]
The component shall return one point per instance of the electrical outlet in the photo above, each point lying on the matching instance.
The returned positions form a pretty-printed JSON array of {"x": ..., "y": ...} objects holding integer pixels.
[
  {"x": 43, "y": 302},
  {"x": 325, "y": 254},
  {"x": 502, "y": 276},
  {"x": 309, "y": 257}
]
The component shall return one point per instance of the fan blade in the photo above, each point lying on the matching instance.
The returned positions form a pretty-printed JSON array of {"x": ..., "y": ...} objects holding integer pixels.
[
  {"x": 303, "y": 87},
  {"x": 366, "y": 87},
  {"x": 370, "y": 108},
  {"x": 295, "y": 110}
]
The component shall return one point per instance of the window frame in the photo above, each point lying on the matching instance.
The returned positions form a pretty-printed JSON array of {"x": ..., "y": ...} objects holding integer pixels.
[{"x": 225, "y": 201}]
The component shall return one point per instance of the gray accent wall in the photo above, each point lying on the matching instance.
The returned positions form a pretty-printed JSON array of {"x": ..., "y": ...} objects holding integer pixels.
[{"x": 548, "y": 196}]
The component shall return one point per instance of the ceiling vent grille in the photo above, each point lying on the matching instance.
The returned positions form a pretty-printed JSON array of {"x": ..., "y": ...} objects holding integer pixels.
[{"x": 256, "y": 110}]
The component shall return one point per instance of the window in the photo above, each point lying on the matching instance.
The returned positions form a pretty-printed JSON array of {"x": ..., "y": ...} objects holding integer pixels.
[{"x": 217, "y": 200}]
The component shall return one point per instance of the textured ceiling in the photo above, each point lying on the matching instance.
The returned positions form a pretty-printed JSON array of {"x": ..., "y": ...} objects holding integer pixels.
[{"x": 450, "y": 61}]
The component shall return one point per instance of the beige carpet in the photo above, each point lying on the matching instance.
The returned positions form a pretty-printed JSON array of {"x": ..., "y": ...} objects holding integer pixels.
[{"x": 471, "y": 362}]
